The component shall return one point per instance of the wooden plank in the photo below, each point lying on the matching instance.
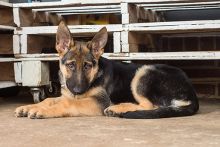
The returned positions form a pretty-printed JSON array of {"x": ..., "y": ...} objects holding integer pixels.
[
  {"x": 23, "y": 44},
  {"x": 117, "y": 42},
  {"x": 7, "y": 60},
  {"x": 157, "y": 1},
  {"x": 176, "y": 27},
  {"x": 16, "y": 44},
  {"x": 77, "y": 8},
  {"x": 73, "y": 29},
  {"x": 64, "y": 3},
  {"x": 16, "y": 16},
  {"x": 181, "y": 4},
  {"x": 86, "y": 12},
  {"x": 203, "y": 55},
  {"x": 5, "y": 4},
  {"x": 39, "y": 72},
  {"x": 18, "y": 71},
  {"x": 3, "y": 27},
  {"x": 183, "y": 8},
  {"x": 6, "y": 44},
  {"x": 6, "y": 84}
]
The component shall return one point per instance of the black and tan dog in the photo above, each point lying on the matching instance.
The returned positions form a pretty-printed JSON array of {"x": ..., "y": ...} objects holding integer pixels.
[{"x": 92, "y": 84}]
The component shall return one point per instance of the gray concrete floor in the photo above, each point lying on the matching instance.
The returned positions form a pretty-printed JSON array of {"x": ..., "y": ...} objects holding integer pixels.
[{"x": 201, "y": 130}]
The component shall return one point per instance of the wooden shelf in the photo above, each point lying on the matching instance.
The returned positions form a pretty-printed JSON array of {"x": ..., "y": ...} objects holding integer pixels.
[{"x": 209, "y": 55}]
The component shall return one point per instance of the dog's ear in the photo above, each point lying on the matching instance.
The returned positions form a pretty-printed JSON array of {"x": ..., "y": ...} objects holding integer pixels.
[
  {"x": 63, "y": 39},
  {"x": 98, "y": 43}
]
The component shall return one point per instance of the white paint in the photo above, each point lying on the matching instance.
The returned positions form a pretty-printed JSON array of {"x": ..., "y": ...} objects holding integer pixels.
[
  {"x": 35, "y": 73},
  {"x": 117, "y": 42},
  {"x": 5, "y": 84},
  {"x": 18, "y": 71}
]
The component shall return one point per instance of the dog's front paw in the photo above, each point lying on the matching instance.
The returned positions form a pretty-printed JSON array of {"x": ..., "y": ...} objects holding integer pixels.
[
  {"x": 22, "y": 111},
  {"x": 38, "y": 113},
  {"x": 112, "y": 111}
]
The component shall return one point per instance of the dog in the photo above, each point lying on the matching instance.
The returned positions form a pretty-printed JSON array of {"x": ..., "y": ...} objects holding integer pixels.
[{"x": 95, "y": 86}]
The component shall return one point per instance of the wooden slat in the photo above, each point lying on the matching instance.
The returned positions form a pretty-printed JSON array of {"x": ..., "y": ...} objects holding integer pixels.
[
  {"x": 204, "y": 55},
  {"x": 162, "y": 5},
  {"x": 73, "y": 29},
  {"x": 176, "y": 27},
  {"x": 96, "y": 12},
  {"x": 84, "y": 8},
  {"x": 5, "y": 4},
  {"x": 183, "y": 8},
  {"x": 155, "y": 1},
  {"x": 64, "y": 3},
  {"x": 3, "y": 27},
  {"x": 5, "y": 84}
]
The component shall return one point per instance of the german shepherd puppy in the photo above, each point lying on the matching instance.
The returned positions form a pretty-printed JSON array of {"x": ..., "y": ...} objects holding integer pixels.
[{"x": 92, "y": 84}]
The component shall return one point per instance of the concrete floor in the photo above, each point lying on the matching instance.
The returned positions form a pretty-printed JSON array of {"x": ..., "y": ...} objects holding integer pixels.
[{"x": 201, "y": 130}]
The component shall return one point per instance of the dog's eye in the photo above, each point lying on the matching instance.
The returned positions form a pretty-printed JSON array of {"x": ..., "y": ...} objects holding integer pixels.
[
  {"x": 87, "y": 66},
  {"x": 71, "y": 65}
]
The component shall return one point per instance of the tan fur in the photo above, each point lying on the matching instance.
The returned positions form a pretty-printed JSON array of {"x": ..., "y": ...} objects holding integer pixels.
[
  {"x": 143, "y": 101},
  {"x": 66, "y": 105},
  {"x": 125, "y": 107}
]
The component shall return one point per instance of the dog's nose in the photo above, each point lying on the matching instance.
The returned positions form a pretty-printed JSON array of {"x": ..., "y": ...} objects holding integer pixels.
[{"x": 77, "y": 90}]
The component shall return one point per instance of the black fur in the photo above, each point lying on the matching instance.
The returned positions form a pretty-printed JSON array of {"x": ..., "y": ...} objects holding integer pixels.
[{"x": 160, "y": 86}]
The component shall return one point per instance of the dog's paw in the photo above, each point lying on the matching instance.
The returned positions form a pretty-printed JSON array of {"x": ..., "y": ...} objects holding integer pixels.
[
  {"x": 37, "y": 113},
  {"x": 21, "y": 111},
  {"x": 112, "y": 111}
]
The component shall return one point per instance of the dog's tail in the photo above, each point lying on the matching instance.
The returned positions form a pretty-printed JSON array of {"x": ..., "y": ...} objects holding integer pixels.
[{"x": 162, "y": 112}]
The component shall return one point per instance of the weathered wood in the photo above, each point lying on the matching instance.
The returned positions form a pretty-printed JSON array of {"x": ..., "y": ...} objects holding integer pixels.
[
  {"x": 203, "y": 55},
  {"x": 25, "y": 17},
  {"x": 18, "y": 71},
  {"x": 81, "y": 9},
  {"x": 156, "y": 1},
  {"x": 6, "y": 44},
  {"x": 7, "y": 71},
  {"x": 16, "y": 44},
  {"x": 6, "y": 84},
  {"x": 5, "y": 4},
  {"x": 73, "y": 29},
  {"x": 35, "y": 73},
  {"x": 117, "y": 42},
  {"x": 181, "y": 4},
  {"x": 3, "y": 27},
  {"x": 65, "y": 3},
  {"x": 176, "y": 27},
  {"x": 6, "y": 16}
]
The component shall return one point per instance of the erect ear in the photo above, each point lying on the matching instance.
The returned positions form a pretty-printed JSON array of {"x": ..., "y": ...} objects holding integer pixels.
[
  {"x": 63, "y": 39},
  {"x": 98, "y": 43}
]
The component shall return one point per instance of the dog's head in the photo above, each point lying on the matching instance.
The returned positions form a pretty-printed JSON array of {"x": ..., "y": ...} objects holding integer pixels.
[{"x": 79, "y": 60}]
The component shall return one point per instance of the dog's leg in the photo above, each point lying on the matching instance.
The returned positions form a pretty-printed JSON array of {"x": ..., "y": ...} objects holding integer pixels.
[
  {"x": 22, "y": 111},
  {"x": 91, "y": 103},
  {"x": 116, "y": 110},
  {"x": 68, "y": 107}
]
